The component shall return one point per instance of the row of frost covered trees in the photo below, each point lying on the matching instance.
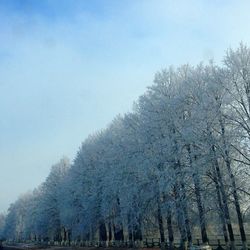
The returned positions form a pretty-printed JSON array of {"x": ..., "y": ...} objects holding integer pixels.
[{"x": 175, "y": 168}]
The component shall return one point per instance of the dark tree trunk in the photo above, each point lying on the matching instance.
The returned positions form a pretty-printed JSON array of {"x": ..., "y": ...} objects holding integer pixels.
[
  {"x": 160, "y": 219},
  {"x": 221, "y": 211},
  {"x": 197, "y": 187},
  {"x": 181, "y": 203},
  {"x": 233, "y": 183},
  {"x": 137, "y": 230},
  {"x": 185, "y": 214},
  {"x": 200, "y": 209},
  {"x": 224, "y": 200},
  {"x": 136, "y": 222},
  {"x": 110, "y": 231},
  {"x": 118, "y": 227},
  {"x": 118, "y": 233},
  {"x": 170, "y": 229},
  {"x": 130, "y": 230},
  {"x": 92, "y": 232},
  {"x": 180, "y": 219},
  {"x": 102, "y": 232}
]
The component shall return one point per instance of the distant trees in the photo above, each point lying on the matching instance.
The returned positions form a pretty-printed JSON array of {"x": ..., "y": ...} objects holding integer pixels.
[
  {"x": 172, "y": 167},
  {"x": 37, "y": 215},
  {"x": 2, "y": 225}
]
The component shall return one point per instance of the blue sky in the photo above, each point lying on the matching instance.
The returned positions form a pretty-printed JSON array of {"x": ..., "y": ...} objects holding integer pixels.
[{"x": 68, "y": 67}]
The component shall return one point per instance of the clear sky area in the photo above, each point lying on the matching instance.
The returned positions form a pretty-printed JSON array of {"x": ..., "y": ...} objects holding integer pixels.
[{"x": 68, "y": 67}]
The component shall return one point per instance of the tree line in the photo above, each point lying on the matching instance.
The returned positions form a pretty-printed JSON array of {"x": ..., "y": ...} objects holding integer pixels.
[{"x": 176, "y": 166}]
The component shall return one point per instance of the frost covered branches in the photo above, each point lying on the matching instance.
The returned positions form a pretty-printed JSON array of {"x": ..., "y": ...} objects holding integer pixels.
[{"x": 175, "y": 167}]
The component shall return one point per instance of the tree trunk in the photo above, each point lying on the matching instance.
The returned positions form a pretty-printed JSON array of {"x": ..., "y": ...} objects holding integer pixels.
[
  {"x": 118, "y": 232},
  {"x": 170, "y": 229},
  {"x": 200, "y": 209},
  {"x": 224, "y": 200},
  {"x": 181, "y": 203},
  {"x": 137, "y": 220},
  {"x": 130, "y": 230},
  {"x": 137, "y": 232},
  {"x": 160, "y": 219},
  {"x": 102, "y": 232},
  {"x": 221, "y": 213},
  {"x": 185, "y": 214},
  {"x": 197, "y": 187},
  {"x": 110, "y": 232},
  {"x": 233, "y": 183},
  {"x": 180, "y": 219}
]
